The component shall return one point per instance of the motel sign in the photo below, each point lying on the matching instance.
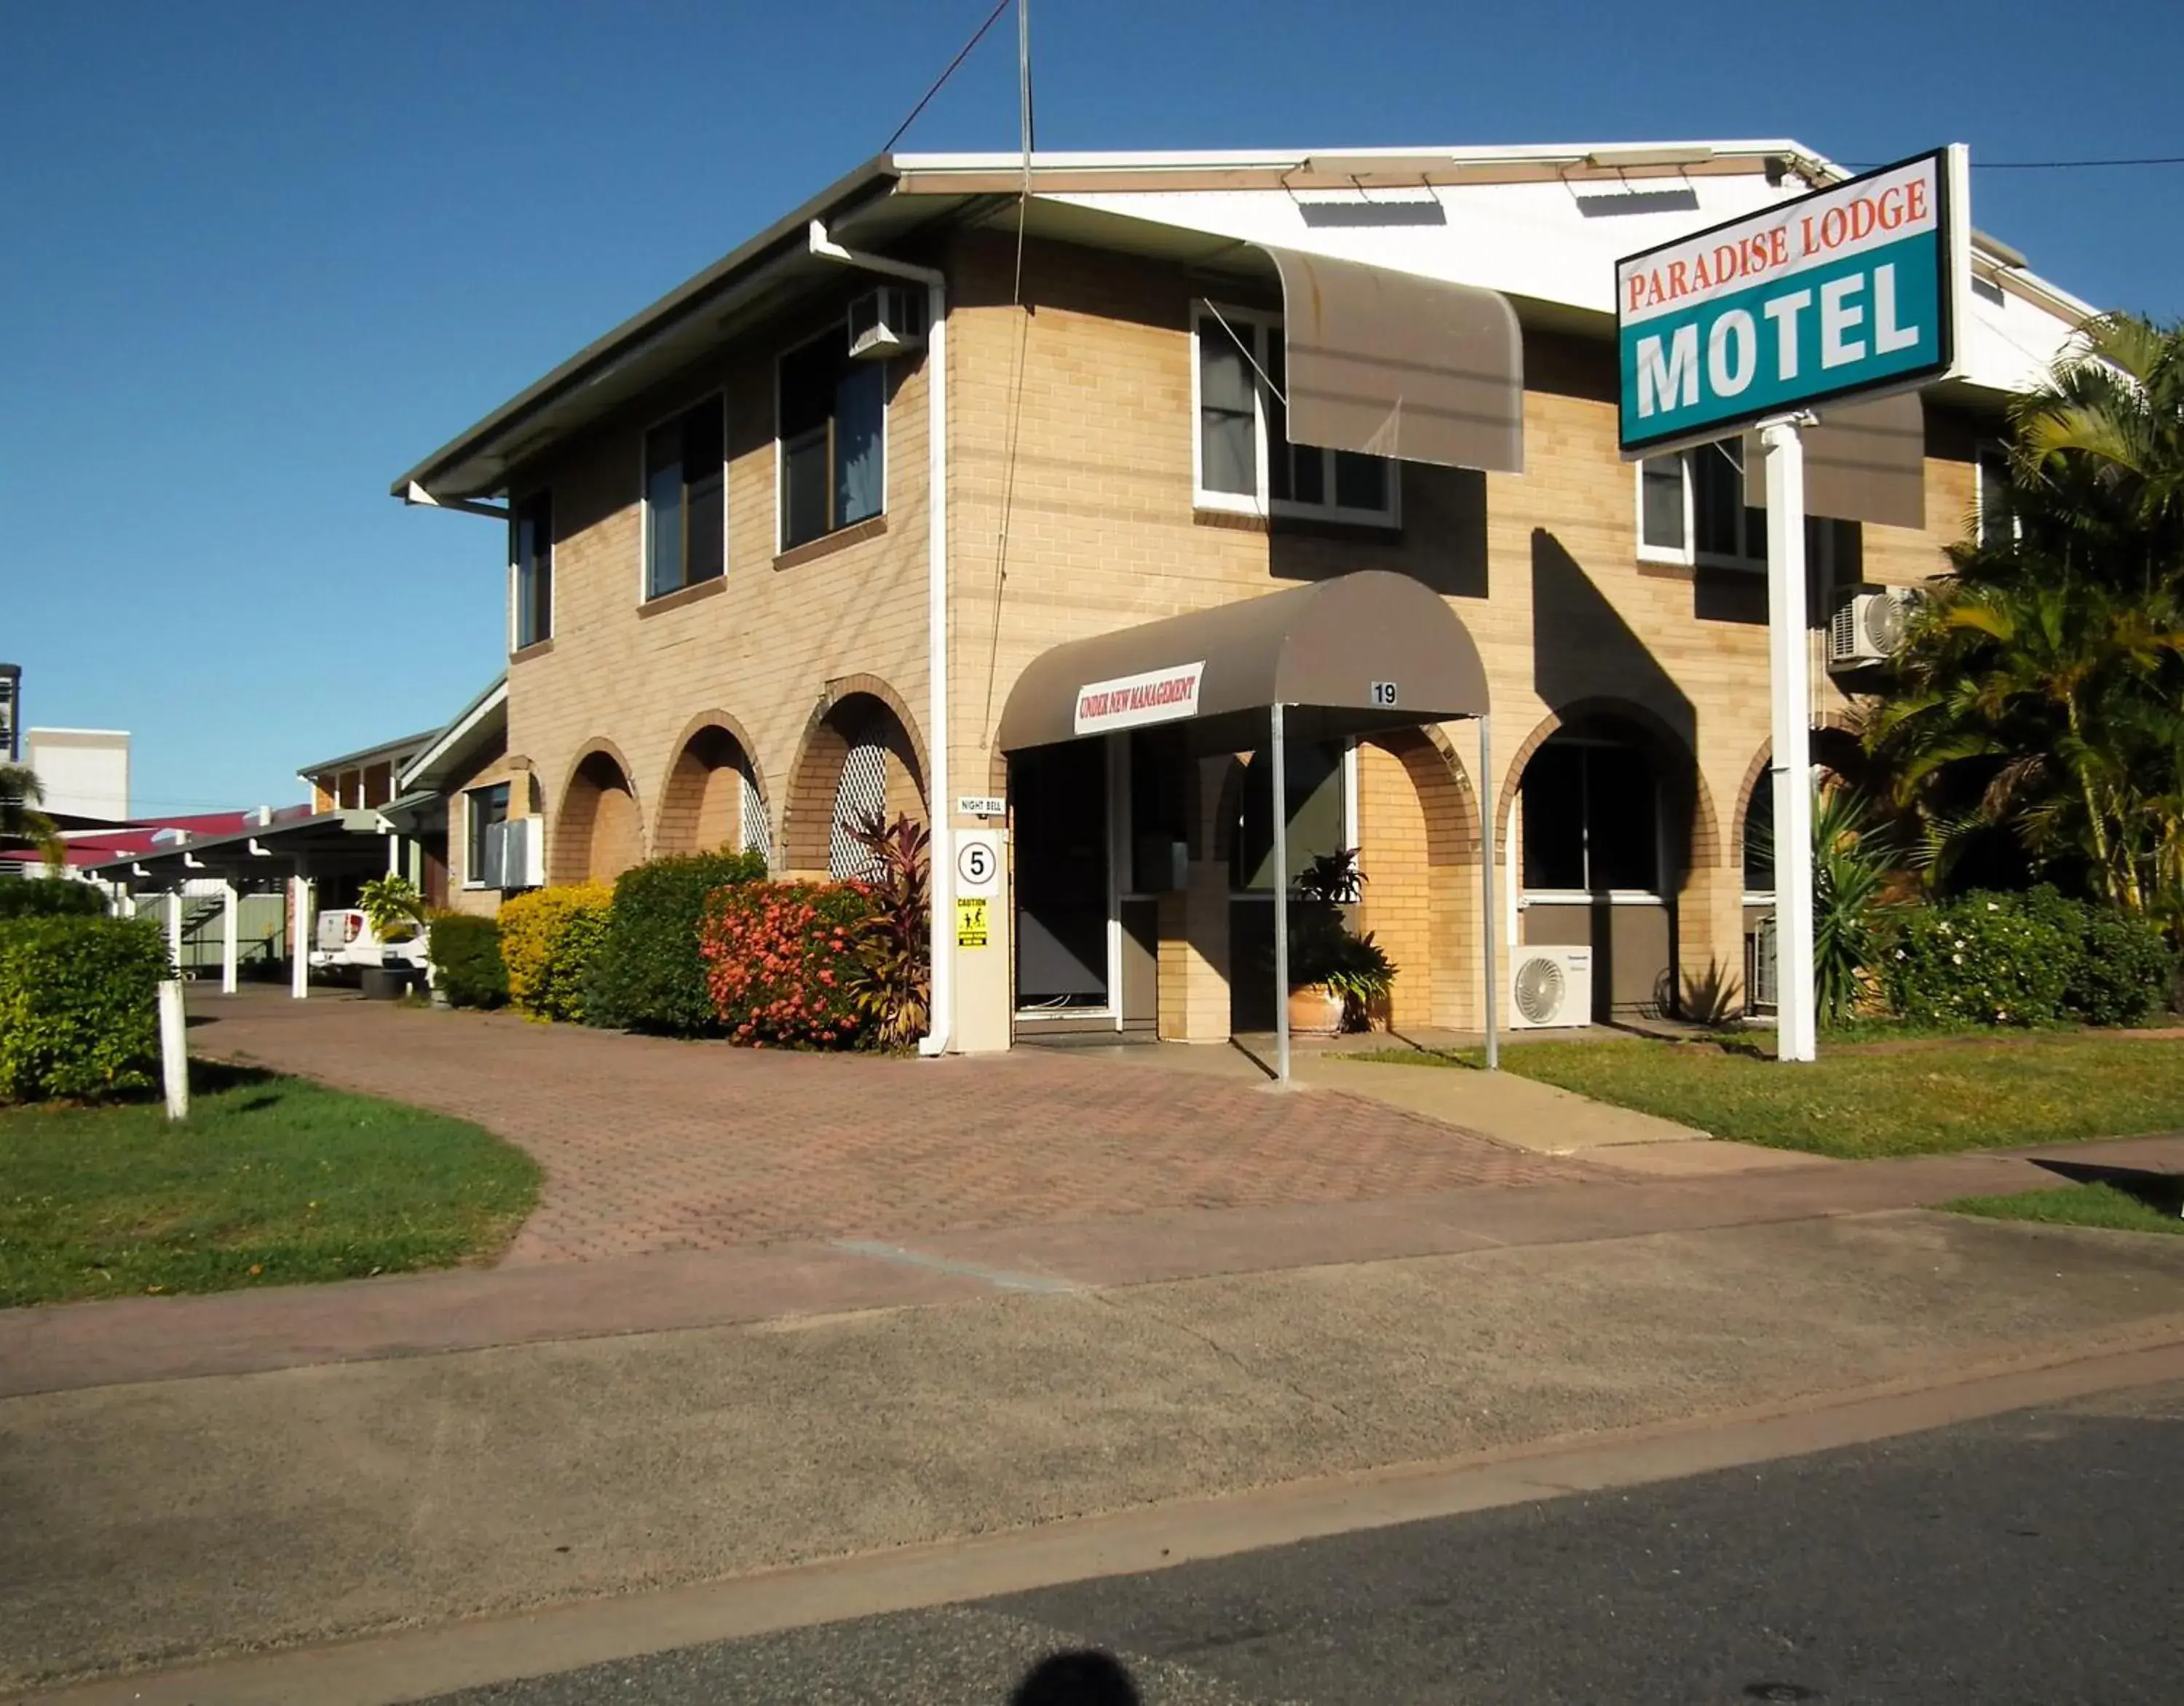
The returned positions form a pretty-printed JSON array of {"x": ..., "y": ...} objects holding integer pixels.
[{"x": 1849, "y": 291}]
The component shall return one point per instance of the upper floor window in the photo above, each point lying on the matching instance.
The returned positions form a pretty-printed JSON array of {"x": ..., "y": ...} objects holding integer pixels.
[
  {"x": 832, "y": 426},
  {"x": 1244, "y": 460},
  {"x": 532, "y": 550},
  {"x": 1997, "y": 521},
  {"x": 1692, "y": 510},
  {"x": 686, "y": 508}
]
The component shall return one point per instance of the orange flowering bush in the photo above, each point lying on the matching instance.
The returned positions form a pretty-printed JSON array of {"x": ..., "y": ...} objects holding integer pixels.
[{"x": 783, "y": 962}]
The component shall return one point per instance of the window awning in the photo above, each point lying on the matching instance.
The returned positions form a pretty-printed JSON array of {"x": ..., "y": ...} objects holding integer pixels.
[
  {"x": 1356, "y": 654},
  {"x": 1864, "y": 461},
  {"x": 1393, "y": 363}
]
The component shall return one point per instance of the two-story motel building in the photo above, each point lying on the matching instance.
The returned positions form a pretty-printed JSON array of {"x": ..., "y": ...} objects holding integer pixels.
[{"x": 856, "y": 517}]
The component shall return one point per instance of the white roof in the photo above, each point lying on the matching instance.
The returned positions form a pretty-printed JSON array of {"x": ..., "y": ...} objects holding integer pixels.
[{"x": 1552, "y": 240}]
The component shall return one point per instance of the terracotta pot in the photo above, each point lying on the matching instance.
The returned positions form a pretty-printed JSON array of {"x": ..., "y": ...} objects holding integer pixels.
[{"x": 1315, "y": 1010}]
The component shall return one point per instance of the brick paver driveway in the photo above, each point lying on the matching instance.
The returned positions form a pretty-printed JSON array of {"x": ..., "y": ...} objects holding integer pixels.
[{"x": 652, "y": 1145}]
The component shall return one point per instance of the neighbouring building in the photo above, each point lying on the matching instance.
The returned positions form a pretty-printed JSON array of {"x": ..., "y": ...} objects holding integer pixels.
[
  {"x": 969, "y": 490},
  {"x": 85, "y": 772}
]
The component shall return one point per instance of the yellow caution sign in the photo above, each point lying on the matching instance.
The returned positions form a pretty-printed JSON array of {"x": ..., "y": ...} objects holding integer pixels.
[{"x": 969, "y": 922}]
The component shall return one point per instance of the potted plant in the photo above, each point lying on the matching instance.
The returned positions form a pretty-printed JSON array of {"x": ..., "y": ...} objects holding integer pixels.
[
  {"x": 395, "y": 910},
  {"x": 1338, "y": 980}
]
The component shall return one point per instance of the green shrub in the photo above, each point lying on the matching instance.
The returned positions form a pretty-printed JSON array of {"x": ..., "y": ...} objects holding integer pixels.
[
  {"x": 49, "y": 898},
  {"x": 784, "y": 961},
  {"x": 465, "y": 950},
  {"x": 79, "y": 1013},
  {"x": 549, "y": 939},
  {"x": 2125, "y": 971},
  {"x": 649, "y": 975},
  {"x": 1983, "y": 959},
  {"x": 2119, "y": 964}
]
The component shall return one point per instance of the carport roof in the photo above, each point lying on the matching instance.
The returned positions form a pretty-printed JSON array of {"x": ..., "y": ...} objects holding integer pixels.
[
  {"x": 1356, "y": 653},
  {"x": 339, "y": 843}
]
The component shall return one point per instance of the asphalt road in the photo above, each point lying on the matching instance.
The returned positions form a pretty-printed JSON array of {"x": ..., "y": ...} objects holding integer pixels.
[{"x": 2035, "y": 1558}]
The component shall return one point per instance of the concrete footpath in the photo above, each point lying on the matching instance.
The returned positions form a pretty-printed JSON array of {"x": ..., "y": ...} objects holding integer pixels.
[{"x": 163, "y": 1521}]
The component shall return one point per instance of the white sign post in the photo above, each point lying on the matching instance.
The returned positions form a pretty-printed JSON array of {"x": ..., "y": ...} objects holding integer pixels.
[
  {"x": 1795, "y": 1015},
  {"x": 1854, "y": 291}
]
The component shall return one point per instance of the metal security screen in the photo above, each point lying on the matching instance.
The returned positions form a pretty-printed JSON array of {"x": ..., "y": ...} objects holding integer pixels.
[
  {"x": 861, "y": 793},
  {"x": 758, "y": 833}
]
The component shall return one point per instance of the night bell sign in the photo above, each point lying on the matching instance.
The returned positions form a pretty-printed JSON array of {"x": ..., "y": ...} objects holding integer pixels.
[{"x": 1849, "y": 291}]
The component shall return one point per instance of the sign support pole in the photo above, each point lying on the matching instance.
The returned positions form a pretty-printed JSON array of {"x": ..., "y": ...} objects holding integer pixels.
[
  {"x": 1790, "y": 661},
  {"x": 1280, "y": 780},
  {"x": 1488, "y": 852}
]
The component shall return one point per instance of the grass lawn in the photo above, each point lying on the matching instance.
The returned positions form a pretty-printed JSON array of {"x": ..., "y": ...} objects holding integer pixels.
[
  {"x": 1920, "y": 1101},
  {"x": 2074, "y": 1205},
  {"x": 270, "y": 1181}
]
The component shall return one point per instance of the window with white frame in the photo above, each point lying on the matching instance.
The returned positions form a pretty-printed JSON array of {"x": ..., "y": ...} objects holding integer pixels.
[
  {"x": 1590, "y": 820},
  {"x": 485, "y": 812},
  {"x": 1243, "y": 458},
  {"x": 1692, "y": 510},
  {"x": 531, "y": 556},
  {"x": 832, "y": 424},
  {"x": 1997, "y": 520},
  {"x": 686, "y": 510}
]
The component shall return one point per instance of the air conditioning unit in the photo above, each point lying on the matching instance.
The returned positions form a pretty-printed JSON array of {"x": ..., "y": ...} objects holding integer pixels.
[
  {"x": 1869, "y": 628},
  {"x": 515, "y": 855},
  {"x": 886, "y": 322},
  {"x": 1550, "y": 987}
]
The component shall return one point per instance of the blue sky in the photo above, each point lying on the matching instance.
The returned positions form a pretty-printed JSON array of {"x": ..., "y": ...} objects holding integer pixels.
[{"x": 259, "y": 258}]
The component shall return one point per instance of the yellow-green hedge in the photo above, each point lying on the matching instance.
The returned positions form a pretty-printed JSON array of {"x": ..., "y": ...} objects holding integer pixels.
[{"x": 548, "y": 940}]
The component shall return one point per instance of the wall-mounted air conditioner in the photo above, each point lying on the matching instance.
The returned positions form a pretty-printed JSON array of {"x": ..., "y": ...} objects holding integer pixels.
[
  {"x": 1870, "y": 628},
  {"x": 1550, "y": 987},
  {"x": 887, "y": 321},
  {"x": 515, "y": 855}
]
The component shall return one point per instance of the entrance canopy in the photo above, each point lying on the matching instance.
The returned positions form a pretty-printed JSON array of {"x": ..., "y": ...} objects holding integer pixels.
[{"x": 1351, "y": 655}]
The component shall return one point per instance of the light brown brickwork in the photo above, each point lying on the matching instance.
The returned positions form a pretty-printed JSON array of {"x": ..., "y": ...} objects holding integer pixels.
[{"x": 1071, "y": 513}]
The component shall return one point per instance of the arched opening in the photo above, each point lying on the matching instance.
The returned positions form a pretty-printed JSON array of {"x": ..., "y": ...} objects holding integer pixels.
[
  {"x": 712, "y": 799},
  {"x": 600, "y": 833},
  {"x": 859, "y": 759},
  {"x": 1608, "y": 830},
  {"x": 1417, "y": 836}
]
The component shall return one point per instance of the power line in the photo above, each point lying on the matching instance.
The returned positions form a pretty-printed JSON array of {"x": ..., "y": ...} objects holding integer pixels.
[
  {"x": 1979, "y": 165},
  {"x": 978, "y": 35}
]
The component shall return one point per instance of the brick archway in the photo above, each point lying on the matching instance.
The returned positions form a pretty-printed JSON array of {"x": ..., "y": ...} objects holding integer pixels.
[
  {"x": 858, "y": 711},
  {"x": 713, "y": 781},
  {"x": 598, "y": 833},
  {"x": 1417, "y": 822},
  {"x": 1834, "y": 733},
  {"x": 1692, "y": 799},
  {"x": 1701, "y": 971}
]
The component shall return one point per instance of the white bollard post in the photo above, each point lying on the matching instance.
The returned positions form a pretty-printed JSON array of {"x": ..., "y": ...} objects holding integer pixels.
[
  {"x": 230, "y": 905},
  {"x": 174, "y": 1048}
]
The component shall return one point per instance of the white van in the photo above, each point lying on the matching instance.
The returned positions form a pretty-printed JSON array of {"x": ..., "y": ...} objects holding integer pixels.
[{"x": 345, "y": 946}]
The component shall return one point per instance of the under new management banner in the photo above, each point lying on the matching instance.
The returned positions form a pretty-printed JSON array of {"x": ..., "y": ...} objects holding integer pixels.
[{"x": 1849, "y": 291}]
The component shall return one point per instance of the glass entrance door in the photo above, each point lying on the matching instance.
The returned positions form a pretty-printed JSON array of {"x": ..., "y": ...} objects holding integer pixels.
[{"x": 1058, "y": 799}]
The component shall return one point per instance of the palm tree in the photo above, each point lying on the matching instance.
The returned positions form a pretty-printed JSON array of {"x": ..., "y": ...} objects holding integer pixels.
[
  {"x": 2049, "y": 709},
  {"x": 21, "y": 823},
  {"x": 2042, "y": 690}
]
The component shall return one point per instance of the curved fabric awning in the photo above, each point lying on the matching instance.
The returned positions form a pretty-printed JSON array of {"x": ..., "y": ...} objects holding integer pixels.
[
  {"x": 1372, "y": 650},
  {"x": 1394, "y": 364}
]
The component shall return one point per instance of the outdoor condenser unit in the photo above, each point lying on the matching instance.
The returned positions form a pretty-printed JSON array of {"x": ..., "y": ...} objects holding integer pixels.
[
  {"x": 515, "y": 855},
  {"x": 1550, "y": 987},
  {"x": 1869, "y": 628},
  {"x": 887, "y": 321}
]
